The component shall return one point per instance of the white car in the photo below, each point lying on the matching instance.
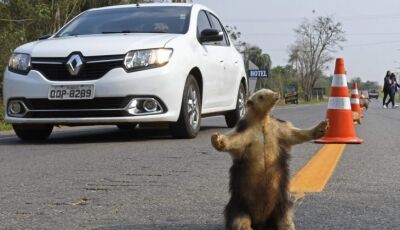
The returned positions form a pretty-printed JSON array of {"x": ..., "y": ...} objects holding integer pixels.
[{"x": 127, "y": 65}]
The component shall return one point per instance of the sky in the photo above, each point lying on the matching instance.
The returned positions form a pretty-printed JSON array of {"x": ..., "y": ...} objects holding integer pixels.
[{"x": 372, "y": 29}]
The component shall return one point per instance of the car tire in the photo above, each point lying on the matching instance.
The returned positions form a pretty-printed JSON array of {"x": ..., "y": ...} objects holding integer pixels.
[
  {"x": 32, "y": 132},
  {"x": 233, "y": 117},
  {"x": 188, "y": 124},
  {"x": 127, "y": 126}
]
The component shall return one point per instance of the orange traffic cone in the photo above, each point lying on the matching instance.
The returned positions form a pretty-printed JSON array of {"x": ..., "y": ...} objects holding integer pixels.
[
  {"x": 341, "y": 128},
  {"x": 355, "y": 101}
]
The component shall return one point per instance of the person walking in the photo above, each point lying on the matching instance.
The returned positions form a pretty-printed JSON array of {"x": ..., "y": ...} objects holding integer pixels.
[
  {"x": 386, "y": 88},
  {"x": 395, "y": 87},
  {"x": 393, "y": 90}
]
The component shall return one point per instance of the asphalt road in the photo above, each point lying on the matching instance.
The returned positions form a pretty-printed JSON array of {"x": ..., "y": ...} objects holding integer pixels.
[{"x": 103, "y": 178}]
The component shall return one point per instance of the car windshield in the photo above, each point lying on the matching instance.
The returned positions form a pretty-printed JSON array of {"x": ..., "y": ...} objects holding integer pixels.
[{"x": 153, "y": 19}]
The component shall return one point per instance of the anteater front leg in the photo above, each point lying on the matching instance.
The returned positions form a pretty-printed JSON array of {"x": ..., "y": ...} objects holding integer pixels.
[
  {"x": 233, "y": 143},
  {"x": 293, "y": 136}
]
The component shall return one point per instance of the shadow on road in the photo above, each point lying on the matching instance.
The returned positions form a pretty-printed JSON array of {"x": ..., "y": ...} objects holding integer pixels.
[
  {"x": 102, "y": 135},
  {"x": 96, "y": 135},
  {"x": 204, "y": 128},
  {"x": 163, "y": 227}
]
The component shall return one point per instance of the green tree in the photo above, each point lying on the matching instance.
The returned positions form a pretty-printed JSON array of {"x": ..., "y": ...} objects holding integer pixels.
[
  {"x": 22, "y": 21},
  {"x": 281, "y": 78},
  {"x": 367, "y": 85}
]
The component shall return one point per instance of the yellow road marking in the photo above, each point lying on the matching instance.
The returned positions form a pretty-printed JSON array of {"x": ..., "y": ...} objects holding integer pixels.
[{"x": 316, "y": 173}]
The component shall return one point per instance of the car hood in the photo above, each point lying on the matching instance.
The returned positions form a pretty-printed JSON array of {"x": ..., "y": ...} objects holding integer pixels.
[{"x": 95, "y": 45}]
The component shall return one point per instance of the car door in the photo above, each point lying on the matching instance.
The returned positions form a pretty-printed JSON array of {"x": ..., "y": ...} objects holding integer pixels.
[
  {"x": 211, "y": 65},
  {"x": 227, "y": 82},
  {"x": 233, "y": 73}
]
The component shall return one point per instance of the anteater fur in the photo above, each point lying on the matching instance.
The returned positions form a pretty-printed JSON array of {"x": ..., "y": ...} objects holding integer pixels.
[{"x": 259, "y": 176}]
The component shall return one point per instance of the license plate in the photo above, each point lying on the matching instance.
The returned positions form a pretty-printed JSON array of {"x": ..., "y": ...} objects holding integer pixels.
[{"x": 71, "y": 92}]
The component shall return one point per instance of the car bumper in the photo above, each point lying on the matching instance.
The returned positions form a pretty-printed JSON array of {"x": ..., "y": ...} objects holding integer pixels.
[
  {"x": 88, "y": 120},
  {"x": 32, "y": 90}
]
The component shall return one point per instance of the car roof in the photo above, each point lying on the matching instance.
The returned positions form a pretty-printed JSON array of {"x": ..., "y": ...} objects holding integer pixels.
[
  {"x": 194, "y": 6},
  {"x": 145, "y": 5}
]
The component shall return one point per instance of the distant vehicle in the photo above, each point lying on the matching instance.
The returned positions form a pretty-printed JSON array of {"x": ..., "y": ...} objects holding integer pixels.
[
  {"x": 127, "y": 65},
  {"x": 373, "y": 94},
  {"x": 291, "y": 96}
]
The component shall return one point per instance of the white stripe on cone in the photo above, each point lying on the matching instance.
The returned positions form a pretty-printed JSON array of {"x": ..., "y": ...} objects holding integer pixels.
[
  {"x": 354, "y": 101},
  {"x": 354, "y": 91},
  {"x": 339, "y": 80},
  {"x": 339, "y": 103}
]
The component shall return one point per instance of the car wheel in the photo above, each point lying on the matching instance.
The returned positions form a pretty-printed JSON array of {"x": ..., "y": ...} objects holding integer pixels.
[
  {"x": 188, "y": 124},
  {"x": 127, "y": 126},
  {"x": 233, "y": 117},
  {"x": 33, "y": 132}
]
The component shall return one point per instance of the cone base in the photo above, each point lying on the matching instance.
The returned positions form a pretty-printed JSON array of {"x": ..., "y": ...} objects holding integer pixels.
[{"x": 339, "y": 140}]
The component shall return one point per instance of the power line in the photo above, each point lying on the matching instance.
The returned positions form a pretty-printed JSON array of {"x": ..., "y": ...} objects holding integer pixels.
[
  {"x": 290, "y": 19},
  {"x": 373, "y": 43},
  {"x": 347, "y": 34},
  {"x": 347, "y": 46}
]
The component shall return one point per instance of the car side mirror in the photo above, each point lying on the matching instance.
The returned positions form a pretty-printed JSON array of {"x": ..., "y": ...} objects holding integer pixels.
[
  {"x": 211, "y": 35},
  {"x": 44, "y": 37}
]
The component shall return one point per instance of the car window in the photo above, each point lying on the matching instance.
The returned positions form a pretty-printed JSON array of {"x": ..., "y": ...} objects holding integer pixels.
[
  {"x": 202, "y": 23},
  {"x": 154, "y": 19},
  {"x": 216, "y": 24}
]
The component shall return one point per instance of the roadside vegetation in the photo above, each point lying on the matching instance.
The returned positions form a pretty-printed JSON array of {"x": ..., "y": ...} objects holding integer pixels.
[
  {"x": 23, "y": 21},
  {"x": 3, "y": 125},
  {"x": 313, "y": 101}
]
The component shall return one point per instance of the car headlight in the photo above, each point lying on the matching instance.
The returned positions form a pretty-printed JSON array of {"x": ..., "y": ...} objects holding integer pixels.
[
  {"x": 19, "y": 63},
  {"x": 146, "y": 59}
]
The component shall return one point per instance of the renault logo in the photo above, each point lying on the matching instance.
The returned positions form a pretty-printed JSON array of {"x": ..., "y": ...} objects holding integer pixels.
[{"x": 74, "y": 64}]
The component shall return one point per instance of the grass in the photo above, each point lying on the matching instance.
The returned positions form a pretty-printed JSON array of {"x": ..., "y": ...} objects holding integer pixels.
[
  {"x": 3, "y": 125},
  {"x": 303, "y": 102},
  {"x": 313, "y": 101}
]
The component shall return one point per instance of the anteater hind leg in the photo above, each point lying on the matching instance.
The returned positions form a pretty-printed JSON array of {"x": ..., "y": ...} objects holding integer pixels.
[
  {"x": 241, "y": 222},
  {"x": 282, "y": 217},
  {"x": 236, "y": 218},
  {"x": 285, "y": 222}
]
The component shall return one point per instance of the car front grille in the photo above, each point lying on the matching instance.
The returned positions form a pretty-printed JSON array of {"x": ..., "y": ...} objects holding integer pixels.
[
  {"x": 96, "y": 103},
  {"x": 76, "y": 114},
  {"x": 97, "y": 107},
  {"x": 93, "y": 68}
]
